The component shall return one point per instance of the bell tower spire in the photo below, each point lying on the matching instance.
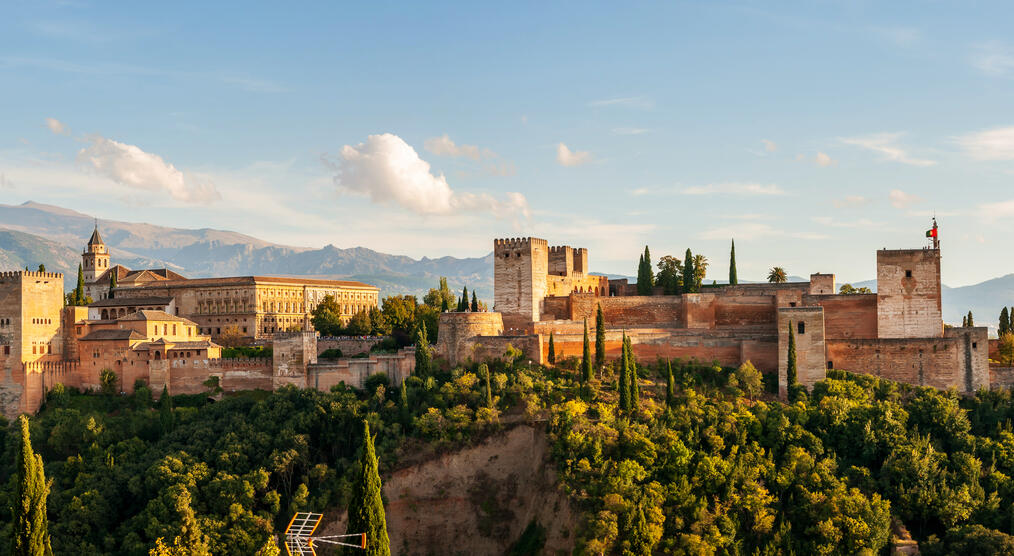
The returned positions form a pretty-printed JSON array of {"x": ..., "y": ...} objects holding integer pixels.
[{"x": 95, "y": 258}]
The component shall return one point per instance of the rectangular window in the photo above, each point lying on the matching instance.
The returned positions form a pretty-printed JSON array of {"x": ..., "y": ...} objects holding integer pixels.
[
  {"x": 801, "y": 327},
  {"x": 908, "y": 274}
]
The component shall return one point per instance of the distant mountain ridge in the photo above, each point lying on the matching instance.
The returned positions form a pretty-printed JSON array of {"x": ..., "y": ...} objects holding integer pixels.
[{"x": 31, "y": 233}]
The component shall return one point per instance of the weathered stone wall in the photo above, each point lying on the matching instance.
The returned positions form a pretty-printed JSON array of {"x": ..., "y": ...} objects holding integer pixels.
[
  {"x": 457, "y": 332},
  {"x": 957, "y": 361},
  {"x": 520, "y": 270},
  {"x": 1001, "y": 377},
  {"x": 492, "y": 347},
  {"x": 348, "y": 346},
  {"x": 808, "y": 325},
  {"x": 822, "y": 284},
  {"x": 628, "y": 311},
  {"x": 847, "y": 316},
  {"x": 354, "y": 372},
  {"x": 292, "y": 352},
  {"x": 908, "y": 291}
]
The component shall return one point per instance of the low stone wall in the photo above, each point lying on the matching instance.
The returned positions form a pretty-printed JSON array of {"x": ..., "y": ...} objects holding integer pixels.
[
  {"x": 354, "y": 371},
  {"x": 349, "y": 346},
  {"x": 1001, "y": 377}
]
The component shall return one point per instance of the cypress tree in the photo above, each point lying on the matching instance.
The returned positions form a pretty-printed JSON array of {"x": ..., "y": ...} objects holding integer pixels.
[
  {"x": 733, "y": 278},
  {"x": 406, "y": 417},
  {"x": 586, "y": 362},
  {"x": 622, "y": 384},
  {"x": 444, "y": 306},
  {"x": 366, "y": 508},
  {"x": 165, "y": 410},
  {"x": 422, "y": 351},
  {"x": 475, "y": 303},
  {"x": 79, "y": 290},
  {"x": 964, "y": 321},
  {"x": 635, "y": 389},
  {"x": 1004, "y": 322},
  {"x": 689, "y": 276},
  {"x": 31, "y": 528},
  {"x": 600, "y": 339},
  {"x": 464, "y": 299},
  {"x": 670, "y": 384},
  {"x": 552, "y": 350},
  {"x": 649, "y": 274},
  {"x": 484, "y": 371},
  {"x": 112, "y": 284},
  {"x": 970, "y": 321},
  {"x": 640, "y": 275},
  {"x": 791, "y": 377}
]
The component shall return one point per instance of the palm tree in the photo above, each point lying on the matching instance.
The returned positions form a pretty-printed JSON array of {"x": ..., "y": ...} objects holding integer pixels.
[
  {"x": 700, "y": 269},
  {"x": 777, "y": 275}
]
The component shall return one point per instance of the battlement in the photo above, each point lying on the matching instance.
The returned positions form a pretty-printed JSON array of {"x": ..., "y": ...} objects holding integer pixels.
[
  {"x": 500, "y": 245},
  {"x": 240, "y": 362},
  {"x": 30, "y": 274},
  {"x": 556, "y": 249}
]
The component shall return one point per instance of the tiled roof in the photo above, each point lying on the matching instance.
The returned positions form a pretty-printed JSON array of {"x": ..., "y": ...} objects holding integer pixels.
[
  {"x": 132, "y": 301},
  {"x": 112, "y": 334}
]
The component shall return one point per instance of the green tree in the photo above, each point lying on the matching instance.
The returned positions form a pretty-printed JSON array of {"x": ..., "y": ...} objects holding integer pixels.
[
  {"x": 586, "y": 361},
  {"x": 689, "y": 280},
  {"x": 326, "y": 317},
  {"x": 487, "y": 389},
  {"x": 733, "y": 278},
  {"x": 971, "y": 321},
  {"x": 600, "y": 339},
  {"x": 670, "y": 275},
  {"x": 670, "y": 384},
  {"x": 366, "y": 507},
  {"x": 360, "y": 324},
  {"x": 423, "y": 357},
  {"x": 112, "y": 284},
  {"x": 79, "y": 290},
  {"x": 700, "y": 270},
  {"x": 777, "y": 275},
  {"x": 645, "y": 274},
  {"x": 748, "y": 379},
  {"x": 108, "y": 382},
  {"x": 632, "y": 384},
  {"x": 440, "y": 298},
  {"x": 475, "y": 303},
  {"x": 791, "y": 374},
  {"x": 552, "y": 350},
  {"x": 849, "y": 289},
  {"x": 623, "y": 382},
  {"x": 463, "y": 304},
  {"x": 42, "y": 267},
  {"x": 1004, "y": 322},
  {"x": 166, "y": 417},
  {"x": 964, "y": 321},
  {"x": 31, "y": 526}
]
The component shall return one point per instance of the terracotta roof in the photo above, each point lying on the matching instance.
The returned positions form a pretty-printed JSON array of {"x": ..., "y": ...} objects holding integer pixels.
[
  {"x": 125, "y": 276},
  {"x": 169, "y": 344},
  {"x": 132, "y": 301},
  {"x": 111, "y": 334},
  {"x": 153, "y": 315}
]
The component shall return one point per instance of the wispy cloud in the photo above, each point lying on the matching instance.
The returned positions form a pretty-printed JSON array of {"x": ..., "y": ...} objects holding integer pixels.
[
  {"x": 57, "y": 127},
  {"x": 630, "y": 130},
  {"x": 132, "y": 167},
  {"x": 993, "y": 58},
  {"x": 734, "y": 188},
  {"x": 992, "y": 144},
  {"x": 900, "y": 36},
  {"x": 639, "y": 102},
  {"x": 4, "y": 182},
  {"x": 900, "y": 199},
  {"x": 862, "y": 223},
  {"x": 851, "y": 201},
  {"x": 749, "y": 230},
  {"x": 567, "y": 157},
  {"x": 823, "y": 160},
  {"x": 999, "y": 211},
  {"x": 769, "y": 145},
  {"x": 388, "y": 170},
  {"x": 444, "y": 146},
  {"x": 885, "y": 145}
]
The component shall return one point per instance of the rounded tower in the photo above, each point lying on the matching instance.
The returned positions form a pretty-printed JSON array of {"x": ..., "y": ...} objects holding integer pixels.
[{"x": 95, "y": 258}]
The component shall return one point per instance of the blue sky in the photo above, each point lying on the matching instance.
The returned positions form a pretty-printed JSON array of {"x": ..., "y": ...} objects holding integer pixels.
[{"x": 813, "y": 133}]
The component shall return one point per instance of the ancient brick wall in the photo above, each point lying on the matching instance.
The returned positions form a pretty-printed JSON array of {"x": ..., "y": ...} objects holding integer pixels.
[
  {"x": 493, "y": 347},
  {"x": 847, "y": 316},
  {"x": 292, "y": 352},
  {"x": 808, "y": 325},
  {"x": 699, "y": 310},
  {"x": 348, "y": 346},
  {"x": 822, "y": 284},
  {"x": 753, "y": 311},
  {"x": 561, "y": 260},
  {"x": 520, "y": 271},
  {"x": 457, "y": 331},
  {"x": 1001, "y": 377},
  {"x": 908, "y": 291},
  {"x": 629, "y": 311},
  {"x": 354, "y": 372}
]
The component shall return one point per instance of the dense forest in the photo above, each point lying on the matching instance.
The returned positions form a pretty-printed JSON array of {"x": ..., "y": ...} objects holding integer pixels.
[{"x": 697, "y": 459}]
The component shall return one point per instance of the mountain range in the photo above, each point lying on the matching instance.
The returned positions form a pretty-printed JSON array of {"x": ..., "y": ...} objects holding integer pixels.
[{"x": 34, "y": 233}]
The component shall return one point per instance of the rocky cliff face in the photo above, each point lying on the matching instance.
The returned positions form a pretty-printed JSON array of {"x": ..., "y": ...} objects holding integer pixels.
[{"x": 478, "y": 500}]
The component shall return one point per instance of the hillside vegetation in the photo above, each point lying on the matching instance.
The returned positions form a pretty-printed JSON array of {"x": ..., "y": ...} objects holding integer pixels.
[{"x": 701, "y": 469}]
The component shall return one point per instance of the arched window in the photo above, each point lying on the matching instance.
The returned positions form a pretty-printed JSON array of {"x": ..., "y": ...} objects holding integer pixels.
[
  {"x": 158, "y": 355},
  {"x": 105, "y": 314}
]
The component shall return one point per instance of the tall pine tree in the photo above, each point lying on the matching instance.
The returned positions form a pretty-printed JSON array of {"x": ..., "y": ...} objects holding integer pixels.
[
  {"x": 1004, "y": 322},
  {"x": 971, "y": 322},
  {"x": 670, "y": 385},
  {"x": 463, "y": 305},
  {"x": 689, "y": 276},
  {"x": 552, "y": 350},
  {"x": 423, "y": 357},
  {"x": 366, "y": 508},
  {"x": 641, "y": 278},
  {"x": 733, "y": 278},
  {"x": 112, "y": 284},
  {"x": 488, "y": 393},
  {"x": 600, "y": 339},
  {"x": 586, "y": 362},
  {"x": 475, "y": 303},
  {"x": 31, "y": 528},
  {"x": 791, "y": 373},
  {"x": 79, "y": 290},
  {"x": 635, "y": 389},
  {"x": 649, "y": 273},
  {"x": 166, "y": 418}
]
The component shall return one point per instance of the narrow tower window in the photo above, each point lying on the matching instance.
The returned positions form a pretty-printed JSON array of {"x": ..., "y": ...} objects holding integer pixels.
[{"x": 801, "y": 328}]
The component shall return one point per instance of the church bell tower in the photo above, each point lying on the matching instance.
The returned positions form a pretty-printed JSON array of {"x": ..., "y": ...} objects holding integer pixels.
[{"x": 95, "y": 258}]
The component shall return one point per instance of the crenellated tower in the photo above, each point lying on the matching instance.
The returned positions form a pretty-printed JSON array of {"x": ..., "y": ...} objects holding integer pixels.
[{"x": 519, "y": 279}]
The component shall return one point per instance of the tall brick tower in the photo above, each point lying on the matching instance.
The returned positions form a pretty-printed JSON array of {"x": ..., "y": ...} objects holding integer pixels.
[
  {"x": 95, "y": 258},
  {"x": 520, "y": 270},
  {"x": 908, "y": 293}
]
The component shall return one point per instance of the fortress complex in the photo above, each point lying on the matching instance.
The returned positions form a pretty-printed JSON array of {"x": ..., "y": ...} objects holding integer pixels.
[
  {"x": 896, "y": 333},
  {"x": 258, "y": 306},
  {"x": 158, "y": 328}
]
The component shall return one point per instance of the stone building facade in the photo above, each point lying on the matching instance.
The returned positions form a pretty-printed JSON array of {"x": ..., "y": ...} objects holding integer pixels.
[
  {"x": 258, "y": 306},
  {"x": 897, "y": 333}
]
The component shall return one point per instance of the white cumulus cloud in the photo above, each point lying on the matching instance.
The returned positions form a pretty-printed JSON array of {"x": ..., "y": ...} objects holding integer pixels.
[
  {"x": 567, "y": 157},
  {"x": 992, "y": 144},
  {"x": 885, "y": 144},
  {"x": 130, "y": 166},
  {"x": 900, "y": 199},
  {"x": 734, "y": 189},
  {"x": 57, "y": 127},
  {"x": 444, "y": 146},
  {"x": 388, "y": 170}
]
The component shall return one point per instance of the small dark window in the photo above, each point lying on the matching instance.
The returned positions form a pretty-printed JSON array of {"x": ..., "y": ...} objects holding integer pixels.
[
  {"x": 801, "y": 327},
  {"x": 830, "y": 364},
  {"x": 792, "y": 304},
  {"x": 975, "y": 345},
  {"x": 908, "y": 274}
]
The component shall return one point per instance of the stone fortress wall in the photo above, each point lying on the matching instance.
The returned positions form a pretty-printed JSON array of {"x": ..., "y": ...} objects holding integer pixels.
[{"x": 896, "y": 333}]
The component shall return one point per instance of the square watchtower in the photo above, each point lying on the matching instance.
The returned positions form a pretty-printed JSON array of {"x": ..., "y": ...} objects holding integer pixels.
[
  {"x": 908, "y": 293},
  {"x": 520, "y": 270}
]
